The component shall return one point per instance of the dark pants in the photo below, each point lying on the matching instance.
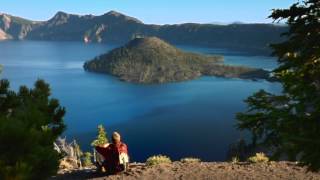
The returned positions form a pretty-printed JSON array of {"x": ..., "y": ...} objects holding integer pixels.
[{"x": 112, "y": 168}]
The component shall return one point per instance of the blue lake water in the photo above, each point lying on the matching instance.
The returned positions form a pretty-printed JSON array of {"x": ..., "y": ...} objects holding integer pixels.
[{"x": 193, "y": 118}]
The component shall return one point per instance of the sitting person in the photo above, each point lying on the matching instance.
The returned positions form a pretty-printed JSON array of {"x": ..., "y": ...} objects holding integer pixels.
[{"x": 115, "y": 155}]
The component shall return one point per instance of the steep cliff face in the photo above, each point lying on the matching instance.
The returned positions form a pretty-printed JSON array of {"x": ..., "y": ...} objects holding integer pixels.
[
  {"x": 5, "y": 22},
  {"x": 3, "y": 35},
  {"x": 15, "y": 27}
]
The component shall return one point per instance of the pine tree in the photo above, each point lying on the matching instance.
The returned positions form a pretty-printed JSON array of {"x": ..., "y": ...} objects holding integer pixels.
[
  {"x": 289, "y": 123},
  {"x": 101, "y": 138},
  {"x": 30, "y": 122}
]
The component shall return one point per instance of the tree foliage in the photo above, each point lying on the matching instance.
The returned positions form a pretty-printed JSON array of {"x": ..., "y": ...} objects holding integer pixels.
[
  {"x": 87, "y": 159},
  {"x": 101, "y": 137},
  {"x": 289, "y": 123},
  {"x": 30, "y": 122}
]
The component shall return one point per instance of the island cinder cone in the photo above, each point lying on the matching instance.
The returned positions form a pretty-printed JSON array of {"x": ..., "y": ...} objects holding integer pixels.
[{"x": 152, "y": 60}]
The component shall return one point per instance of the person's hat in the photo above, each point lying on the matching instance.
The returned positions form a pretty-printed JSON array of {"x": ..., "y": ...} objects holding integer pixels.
[{"x": 116, "y": 136}]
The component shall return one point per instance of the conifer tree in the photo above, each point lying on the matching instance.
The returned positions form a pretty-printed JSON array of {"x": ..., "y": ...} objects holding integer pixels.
[
  {"x": 289, "y": 123},
  {"x": 30, "y": 122},
  {"x": 101, "y": 137}
]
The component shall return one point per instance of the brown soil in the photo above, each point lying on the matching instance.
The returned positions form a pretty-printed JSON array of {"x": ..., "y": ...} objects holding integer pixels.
[{"x": 203, "y": 170}]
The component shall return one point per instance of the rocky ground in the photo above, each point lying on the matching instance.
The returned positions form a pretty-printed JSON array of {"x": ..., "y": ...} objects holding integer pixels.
[{"x": 202, "y": 170}]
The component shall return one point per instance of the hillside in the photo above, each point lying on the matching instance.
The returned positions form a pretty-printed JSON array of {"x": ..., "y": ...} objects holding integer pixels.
[
  {"x": 114, "y": 27},
  {"x": 203, "y": 170},
  {"x": 152, "y": 60},
  {"x": 12, "y": 27},
  {"x": 110, "y": 27}
]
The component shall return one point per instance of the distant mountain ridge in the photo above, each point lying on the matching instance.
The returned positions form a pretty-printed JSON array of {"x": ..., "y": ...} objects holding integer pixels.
[{"x": 114, "y": 27}]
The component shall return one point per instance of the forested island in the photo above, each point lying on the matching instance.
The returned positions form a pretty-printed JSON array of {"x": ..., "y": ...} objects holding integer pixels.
[{"x": 152, "y": 60}]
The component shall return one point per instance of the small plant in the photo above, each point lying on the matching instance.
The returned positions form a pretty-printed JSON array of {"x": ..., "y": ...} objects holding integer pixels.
[
  {"x": 87, "y": 159},
  {"x": 258, "y": 158},
  {"x": 101, "y": 138},
  {"x": 190, "y": 160},
  {"x": 235, "y": 160},
  {"x": 159, "y": 159}
]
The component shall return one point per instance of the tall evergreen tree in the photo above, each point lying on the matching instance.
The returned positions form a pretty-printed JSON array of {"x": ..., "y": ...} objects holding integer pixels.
[
  {"x": 289, "y": 123},
  {"x": 30, "y": 122}
]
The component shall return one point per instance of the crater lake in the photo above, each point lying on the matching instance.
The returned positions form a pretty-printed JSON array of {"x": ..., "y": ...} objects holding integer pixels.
[{"x": 192, "y": 118}]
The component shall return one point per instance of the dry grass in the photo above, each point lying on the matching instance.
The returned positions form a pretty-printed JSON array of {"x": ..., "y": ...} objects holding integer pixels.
[
  {"x": 159, "y": 159},
  {"x": 235, "y": 160},
  {"x": 190, "y": 160},
  {"x": 258, "y": 158}
]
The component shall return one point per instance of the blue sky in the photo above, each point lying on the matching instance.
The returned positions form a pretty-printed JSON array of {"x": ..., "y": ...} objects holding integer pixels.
[{"x": 152, "y": 11}]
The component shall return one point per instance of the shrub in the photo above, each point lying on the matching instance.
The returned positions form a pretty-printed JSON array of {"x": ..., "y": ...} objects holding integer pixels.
[
  {"x": 190, "y": 160},
  {"x": 101, "y": 138},
  {"x": 235, "y": 160},
  {"x": 30, "y": 122},
  {"x": 87, "y": 159},
  {"x": 159, "y": 159},
  {"x": 258, "y": 158}
]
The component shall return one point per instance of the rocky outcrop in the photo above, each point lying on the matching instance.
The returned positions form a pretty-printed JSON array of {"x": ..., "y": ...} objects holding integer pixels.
[
  {"x": 12, "y": 27},
  {"x": 3, "y": 35}
]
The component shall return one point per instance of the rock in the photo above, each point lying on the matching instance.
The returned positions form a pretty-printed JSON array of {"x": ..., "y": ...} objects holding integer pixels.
[{"x": 67, "y": 165}]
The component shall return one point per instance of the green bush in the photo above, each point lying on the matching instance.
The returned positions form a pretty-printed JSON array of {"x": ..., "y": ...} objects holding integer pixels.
[
  {"x": 159, "y": 159},
  {"x": 87, "y": 159},
  {"x": 258, "y": 158},
  {"x": 30, "y": 122},
  {"x": 190, "y": 160},
  {"x": 101, "y": 137}
]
